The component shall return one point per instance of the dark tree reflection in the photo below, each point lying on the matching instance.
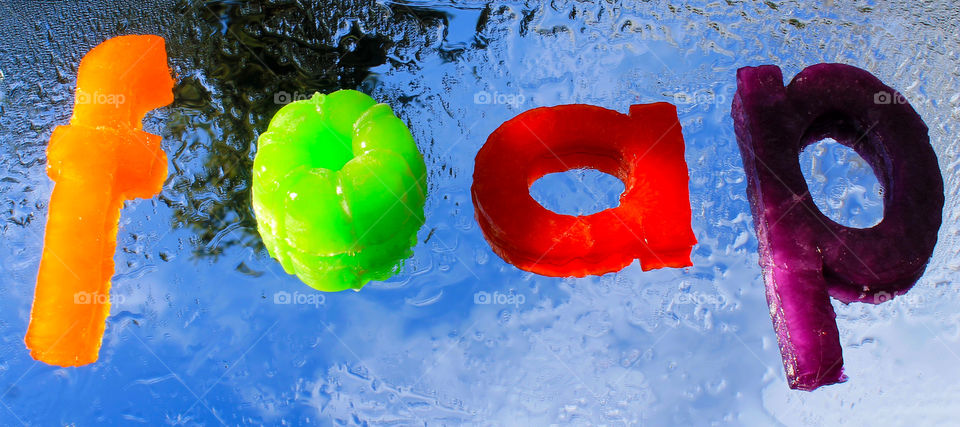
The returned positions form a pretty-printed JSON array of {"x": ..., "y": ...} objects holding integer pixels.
[{"x": 237, "y": 64}]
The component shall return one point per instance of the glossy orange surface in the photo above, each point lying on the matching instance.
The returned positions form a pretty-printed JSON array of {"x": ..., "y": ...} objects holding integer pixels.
[{"x": 98, "y": 161}]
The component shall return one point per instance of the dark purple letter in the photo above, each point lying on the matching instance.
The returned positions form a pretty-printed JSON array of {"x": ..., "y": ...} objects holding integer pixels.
[{"x": 807, "y": 258}]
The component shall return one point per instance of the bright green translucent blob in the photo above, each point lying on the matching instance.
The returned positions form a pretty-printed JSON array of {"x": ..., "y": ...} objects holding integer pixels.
[
  {"x": 380, "y": 129},
  {"x": 338, "y": 190},
  {"x": 382, "y": 195},
  {"x": 304, "y": 122},
  {"x": 344, "y": 107},
  {"x": 328, "y": 274},
  {"x": 275, "y": 160},
  {"x": 315, "y": 216}
]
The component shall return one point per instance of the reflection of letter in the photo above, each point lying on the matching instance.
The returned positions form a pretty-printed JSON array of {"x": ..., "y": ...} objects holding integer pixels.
[{"x": 806, "y": 257}]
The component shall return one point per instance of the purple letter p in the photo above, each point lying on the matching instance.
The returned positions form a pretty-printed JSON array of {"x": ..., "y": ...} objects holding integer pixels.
[{"x": 807, "y": 258}]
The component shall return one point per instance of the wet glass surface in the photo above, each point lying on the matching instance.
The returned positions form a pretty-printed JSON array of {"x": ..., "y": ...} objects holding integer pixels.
[{"x": 199, "y": 333}]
